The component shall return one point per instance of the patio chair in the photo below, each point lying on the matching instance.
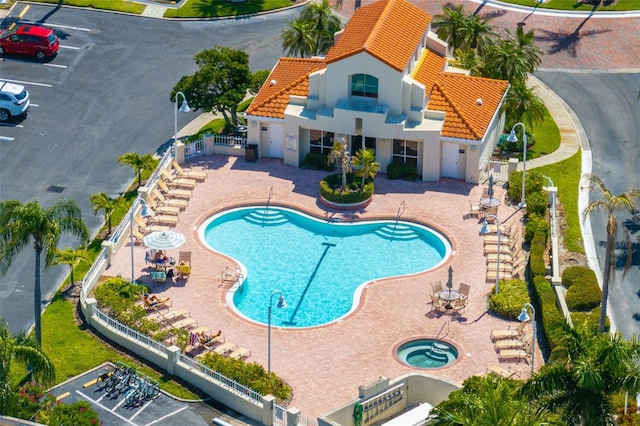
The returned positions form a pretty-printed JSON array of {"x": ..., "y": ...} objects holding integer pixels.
[
  {"x": 183, "y": 194},
  {"x": 225, "y": 348},
  {"x": 437, "y": 304},
  {"x": 184, "y": 256},
  {"x": 436, "y": 286},
  {"x": 474, "y": 209},
  {"x": 158, "y": 277},
  {"x": 457, "y": 306},
  {"x": 240, "y": 353},
  {"x": 515, "y": 354},
  {"x": 173, "y": 202},
  {"x": 189, "y": 173},
  {"x": 518, "y": 343},
  {"x": 177, "y": 182},
  {"x": 508, "y": 333},
  {"x": 464, "y": 289}
]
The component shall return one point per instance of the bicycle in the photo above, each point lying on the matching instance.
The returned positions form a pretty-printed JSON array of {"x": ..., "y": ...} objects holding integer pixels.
[{"x": 119, "y": 385}]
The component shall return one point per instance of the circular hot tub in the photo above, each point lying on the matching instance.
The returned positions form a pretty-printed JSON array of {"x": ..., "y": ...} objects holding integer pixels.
[{"x": 427, "y": 353}]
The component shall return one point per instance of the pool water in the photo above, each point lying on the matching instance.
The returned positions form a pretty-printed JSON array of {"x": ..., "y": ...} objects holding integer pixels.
[{"x": 319, "y": 266}]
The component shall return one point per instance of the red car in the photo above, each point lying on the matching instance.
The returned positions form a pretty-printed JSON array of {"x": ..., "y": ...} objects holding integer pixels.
[{"x": 29, "y": 40}]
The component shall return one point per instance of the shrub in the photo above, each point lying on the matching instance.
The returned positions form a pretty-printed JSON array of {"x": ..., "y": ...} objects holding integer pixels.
[
  {"x": 551, "y": 316},
  {"x": 577, "y": 274},
  {"x": 118, "y": 298},
  {"x": 353, "y": 195},
  {"x": 536, "y": 259},
  {"x": 252, "y": 375},
  {"x": 402, "y": 171},
  {"x": 537, "y": 203},
  {"x": 32, "y": 400},
  {"x": 584, "y": 296},
  {"x": 316, "y": 161},
  {"x": 534, "y": 224},
  {"x": 589, "y": 320},
  {"x": 509, "y": 301},
  {"x": 533, "y": 184},
  {"x": 78, "y": 414}
]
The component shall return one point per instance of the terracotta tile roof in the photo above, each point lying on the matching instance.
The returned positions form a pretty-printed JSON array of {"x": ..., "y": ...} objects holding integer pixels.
[
  {"x": 377, "y": 28},
  {"x": 458, "y": 95},
  {"x": 428, "y": 69},
  {"x": 291, "y": 76}
]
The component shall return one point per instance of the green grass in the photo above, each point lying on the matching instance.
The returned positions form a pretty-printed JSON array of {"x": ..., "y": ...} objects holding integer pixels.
[
  {"x": 215, "y": 8},
  {"x": 566, "y": 177},
  {"x": 547, "y": 136},
  {"x": 116, "y": 5},
  {"x": 619, "y": 5}
]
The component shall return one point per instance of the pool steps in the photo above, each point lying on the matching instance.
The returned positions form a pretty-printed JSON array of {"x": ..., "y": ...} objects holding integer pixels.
[
  {"x": 397, "y": 232},
  {"x": 266, "y": 217}
]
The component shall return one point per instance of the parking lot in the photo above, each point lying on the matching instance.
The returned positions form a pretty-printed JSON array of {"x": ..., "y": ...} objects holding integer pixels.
[{"x": 163, "y": 410}]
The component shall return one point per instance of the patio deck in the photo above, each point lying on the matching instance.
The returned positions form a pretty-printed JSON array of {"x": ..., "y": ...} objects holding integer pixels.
[{"x": 325, "y": 365}]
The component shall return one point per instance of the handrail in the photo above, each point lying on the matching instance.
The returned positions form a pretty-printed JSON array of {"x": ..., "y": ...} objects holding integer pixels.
[
  {"x": 437, "y": 336},
  {"x": 400, "y": 213},
  {"x": 266, "y": 210}
]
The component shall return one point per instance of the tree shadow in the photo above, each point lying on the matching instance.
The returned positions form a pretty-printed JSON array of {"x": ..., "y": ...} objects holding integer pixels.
[{"x": 562, "y": 41}]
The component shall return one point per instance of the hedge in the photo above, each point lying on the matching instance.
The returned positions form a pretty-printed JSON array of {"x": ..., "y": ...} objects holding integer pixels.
[
  {"x": 509, "y": 301},
  {"x": 402, "y": 171},
  {"x": 577, "y": 274},
  {"x": 354, "y": 195}
]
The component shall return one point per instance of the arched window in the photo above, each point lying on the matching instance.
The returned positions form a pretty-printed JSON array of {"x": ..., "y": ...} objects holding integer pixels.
[{"x": 364, "y": 85}]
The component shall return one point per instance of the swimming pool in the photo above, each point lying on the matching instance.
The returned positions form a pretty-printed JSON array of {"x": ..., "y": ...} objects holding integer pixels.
[{"x": 320, "y": 266}]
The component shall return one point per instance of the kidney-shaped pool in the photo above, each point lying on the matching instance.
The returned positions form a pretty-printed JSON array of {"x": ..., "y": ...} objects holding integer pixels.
[{"x": 319, "y": 266}]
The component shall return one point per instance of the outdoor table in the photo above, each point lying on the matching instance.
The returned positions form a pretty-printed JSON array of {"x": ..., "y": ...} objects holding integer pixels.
[
  {"x": 449, "y": 296},
  {"x": 489, "y": 202},
  {"x": 163, "y": 264}
]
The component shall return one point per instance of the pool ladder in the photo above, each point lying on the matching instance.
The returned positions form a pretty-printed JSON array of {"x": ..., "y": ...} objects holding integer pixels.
[
  {"x": 435, "y": 341},
  {"x": 266, "y": 210},
  {"x": 400, "y": 213}
]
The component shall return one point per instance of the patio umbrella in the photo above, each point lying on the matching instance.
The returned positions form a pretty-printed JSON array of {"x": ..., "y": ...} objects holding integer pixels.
[
  {"x": 490, "y": 191},
  {"x": 164, "y": 240},
  {"x": 450, "y": 280}
]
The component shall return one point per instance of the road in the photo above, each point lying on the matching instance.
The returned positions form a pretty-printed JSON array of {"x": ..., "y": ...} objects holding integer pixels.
[
  {"x": 609, "y": 110},
  {"x": 106, "y": 93}
]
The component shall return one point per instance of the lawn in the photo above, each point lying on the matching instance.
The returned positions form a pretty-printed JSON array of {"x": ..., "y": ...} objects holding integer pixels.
[
  {"x": 607, "y": 5},
  {"x": 116, "y": 5},
  {"x": 216, "y": 8}
]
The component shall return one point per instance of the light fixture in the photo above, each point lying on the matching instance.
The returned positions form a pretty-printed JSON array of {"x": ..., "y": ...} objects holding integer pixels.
[
  {"x": 183, "y": 108},
  {"x": 134, "y": 206},
  {"x": 513, "y": 138},
  {"x": 524, "y": 317}
]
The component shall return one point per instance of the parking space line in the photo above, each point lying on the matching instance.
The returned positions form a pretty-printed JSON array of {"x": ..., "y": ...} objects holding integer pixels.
[
  {"x": 55, "y": 65},
  {"x": 33, "y": 105},
  {"x": 166, "y": 417},
  {"x": 11, "y": 125},
  {"x": 63, "y": 396},
  {"x": 105, "y": 408},
  {"x": 6, "y": 138},
  {"x": 28, "y": 82},
  {"x": 69, "y": 47},
  {"x": 67, "y": 27},
  {"x": 120, "y": 403},
  {"x": 140, "y": 409}
]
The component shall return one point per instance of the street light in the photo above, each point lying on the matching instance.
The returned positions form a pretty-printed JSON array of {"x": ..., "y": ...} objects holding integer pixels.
[
  {"x": 524, "y": 317},
  {"x": 281, "y": 304},
  {"x": 183, "y": 108},
  {"x": 133, "y": 210},
  {"x": 484, "y": 230},
  {"x": 513, "y": 138}
]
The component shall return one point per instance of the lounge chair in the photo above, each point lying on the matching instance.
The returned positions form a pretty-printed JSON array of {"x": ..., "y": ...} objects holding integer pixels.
[
  {"x": 163, "y": 209},
  {"x": 518, "y": 343},
  {"x": 240, "y": 353},
  {"x": 183, "y": 194},
  {"x": 225, "y": 348},
  {"x": 493, "y": 276},
  {"x": 493, "y": 239},
  {"x": 162, "y": 219},
  {"x": 214, "y": 342},
  {"x": 137, "y": 236},
  {"x": 505, "y": 229},
  {"x": 499, "y": 371},
  {"x": 173, "y": 202},
  {"x": 505, "y": 247},
  {"x": 189, "y": 173},
  {"x": 161, "y": 304},
  {"x": 507, "y": 257},
  {"x": 230, "y": 274},
  {"x": 146, "y": 228},
  {"x": 178, "y": 182},
  {"x": 515, "y": 354},
  {"x": 186, "y": 323},
  {"x": 175, "y": 314},
  {"x": 508, "y": 333}
]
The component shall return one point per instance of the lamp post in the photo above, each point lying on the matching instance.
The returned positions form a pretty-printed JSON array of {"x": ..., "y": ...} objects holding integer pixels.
[
  {"x": 524, "y": 317},
  {"x": 281, "y": 304},
  {"x": 183, "y": 108},
  {"x": 484, "y": 230},
  {"x": 133, "y": 211},
  {"x": 513, "y": 138}
]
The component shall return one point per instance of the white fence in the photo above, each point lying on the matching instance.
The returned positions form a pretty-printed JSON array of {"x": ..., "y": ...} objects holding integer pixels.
[{"x": 498, "y": 169}]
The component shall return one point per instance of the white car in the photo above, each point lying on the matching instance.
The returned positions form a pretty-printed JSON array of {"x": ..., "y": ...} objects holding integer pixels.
[{"x": 14, "y": 100}]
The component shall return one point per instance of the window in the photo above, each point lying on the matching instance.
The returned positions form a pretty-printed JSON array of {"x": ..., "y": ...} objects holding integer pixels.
[
  {"x": 356, "y": 143},
  {"x": 364, "y": 85},
  {"x": 405, "y": 152},
  {"x": 320, "y": 142}
]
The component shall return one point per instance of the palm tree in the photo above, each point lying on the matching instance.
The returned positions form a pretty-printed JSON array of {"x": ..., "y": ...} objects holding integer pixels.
[
  {"x": 449, "y": 24},
  {"x": 23, "y": 349},
  {"x": 23, "y": 222},
  {"x": 624, "y": 202},
  {"x": 476, "y": 33},
  {"x": 101, "y": 201},
  {"x": 522, "y": 104},
  {"x": 512, "y": 58},
  {"x": 71, "y": 257},
  {"x": 489, "y": 401},
  {"x": 580, "y": 386},
  {"x": 324, "y": 24},
  {"x": 297, "y": 38},
  {"x": 138, "y": 163},
  {"x": 365, "y": 161},
  {"x": 340, "y": 156},
  {"x": 468, "y": 59}
]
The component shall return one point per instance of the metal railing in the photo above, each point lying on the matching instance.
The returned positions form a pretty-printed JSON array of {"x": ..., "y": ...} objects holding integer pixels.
[
  {"x": 229, "y": 140},
  {"x": 194, "y": 149},
  {"x": 132, "y": 334},
  {"x": 280, "y": 418},
  {"x": 499, "y": 170}
]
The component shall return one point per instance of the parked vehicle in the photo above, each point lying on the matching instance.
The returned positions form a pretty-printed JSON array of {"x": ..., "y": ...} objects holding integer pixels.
[
  {"x": 14, "y": 100},
  {"x": 29, "y": 40}
]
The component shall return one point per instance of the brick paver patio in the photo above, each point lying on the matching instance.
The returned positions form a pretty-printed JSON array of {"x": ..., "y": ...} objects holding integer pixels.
[{"x": 325, "y": 365}]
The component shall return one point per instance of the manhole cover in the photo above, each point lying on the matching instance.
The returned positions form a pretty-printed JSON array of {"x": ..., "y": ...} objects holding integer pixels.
[{"x": 55, "y": 188}]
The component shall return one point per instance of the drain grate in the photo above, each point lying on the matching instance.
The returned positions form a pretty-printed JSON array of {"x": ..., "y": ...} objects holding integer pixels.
[{"x": 56, "y": 188}]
